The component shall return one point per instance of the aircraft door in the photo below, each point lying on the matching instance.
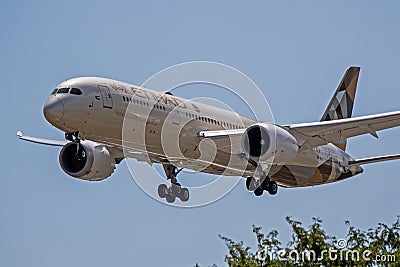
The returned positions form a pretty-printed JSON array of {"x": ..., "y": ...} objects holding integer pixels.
[{"x": 106, "y": 96}]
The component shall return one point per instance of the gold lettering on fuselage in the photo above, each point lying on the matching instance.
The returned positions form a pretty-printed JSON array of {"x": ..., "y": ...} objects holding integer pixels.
[
  {"x": 180, "y": 103},
  {"x": 118, "y": 87},
  {"x": 150, "y": 95}
]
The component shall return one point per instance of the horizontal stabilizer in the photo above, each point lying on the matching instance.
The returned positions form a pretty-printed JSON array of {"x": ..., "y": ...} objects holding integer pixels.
[
  {"x": 372, "y": 160},
  {"x": 41, "y": 140}
]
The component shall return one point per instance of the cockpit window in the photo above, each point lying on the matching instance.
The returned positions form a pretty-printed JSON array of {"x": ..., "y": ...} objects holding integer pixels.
[
  {"x": 54, "y": 91},
  {"x": 76, "y": 91},
  {"x": 63, "y": 91}
]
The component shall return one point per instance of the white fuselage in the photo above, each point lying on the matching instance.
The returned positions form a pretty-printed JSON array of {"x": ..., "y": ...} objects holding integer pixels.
[{"x": 162, "y": 128}]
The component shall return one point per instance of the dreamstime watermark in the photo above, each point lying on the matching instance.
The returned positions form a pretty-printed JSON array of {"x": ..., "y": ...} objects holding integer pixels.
[
  {"x": 339, "y": 253},
  {"x": 160, "y": 127}
]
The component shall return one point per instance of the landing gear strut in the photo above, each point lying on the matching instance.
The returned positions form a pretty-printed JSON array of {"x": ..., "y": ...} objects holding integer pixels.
[
  {"x": 73, "y": 137},
  {"x": 261, "y": 185},
  {"x": 175, "y": 190}
]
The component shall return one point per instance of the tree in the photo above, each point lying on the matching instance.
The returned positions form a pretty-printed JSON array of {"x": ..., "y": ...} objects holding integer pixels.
[{"x": 311, "y": 246}]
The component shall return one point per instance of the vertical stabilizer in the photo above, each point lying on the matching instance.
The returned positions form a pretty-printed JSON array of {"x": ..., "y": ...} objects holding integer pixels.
[{"x": 341, "y": 104}]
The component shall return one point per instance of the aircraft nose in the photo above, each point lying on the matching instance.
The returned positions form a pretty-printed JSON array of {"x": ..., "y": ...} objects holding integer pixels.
[{"x": 53, "y": 109}]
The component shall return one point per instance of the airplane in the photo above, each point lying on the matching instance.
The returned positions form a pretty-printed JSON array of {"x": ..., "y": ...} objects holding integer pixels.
[{"x": 105, "y": 121}]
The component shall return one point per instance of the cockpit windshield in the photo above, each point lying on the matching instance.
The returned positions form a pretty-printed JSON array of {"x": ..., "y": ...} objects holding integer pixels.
[
  {"x": 66, "y": 90},
  {"x": 63, "y": 91},
  {"x": 76, "y": 91}
]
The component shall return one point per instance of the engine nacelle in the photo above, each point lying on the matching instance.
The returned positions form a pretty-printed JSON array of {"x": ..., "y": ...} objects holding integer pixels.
[
  {"x": 90, "y": 161},
  {"x": 266, "y": 142}
]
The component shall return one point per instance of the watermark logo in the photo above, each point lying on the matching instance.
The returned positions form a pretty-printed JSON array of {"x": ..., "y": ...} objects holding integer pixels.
[
  {"x": 332, "y": 254},
  {"x": 341, "y": 243}
]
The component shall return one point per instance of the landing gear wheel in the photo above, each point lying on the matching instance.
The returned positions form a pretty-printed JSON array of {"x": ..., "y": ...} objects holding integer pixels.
[
  {"x": 259, "y": 191},
  {"x": 170, "y": 198},
  {"x": 184, "y": 194},
  {"x": 248, "y": 183},
  {"x": 254, "y": 186},
  {"x": 162, "y": 190},
  {"x": 273, "y": 188},
  {"x": 265, "y": 183},
  {"x": 176, "y": 189},
  {"x": 251, "y": 184}
]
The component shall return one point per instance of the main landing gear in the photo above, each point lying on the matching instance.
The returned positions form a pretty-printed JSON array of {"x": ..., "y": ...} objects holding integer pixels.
[
  {"x": 175, "y": 190},
  {"x": 261, "y": 185}
]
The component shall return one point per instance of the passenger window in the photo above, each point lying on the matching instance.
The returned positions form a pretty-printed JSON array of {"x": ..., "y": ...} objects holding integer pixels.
[
  {"x": 76, "y": 91},
  {"x": 63, "y": 91}
]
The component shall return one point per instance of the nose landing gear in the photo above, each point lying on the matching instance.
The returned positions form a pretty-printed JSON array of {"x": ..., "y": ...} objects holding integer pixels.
[
  {"x": 175, "y": 190},
  {"x": 73, "y": 137}
]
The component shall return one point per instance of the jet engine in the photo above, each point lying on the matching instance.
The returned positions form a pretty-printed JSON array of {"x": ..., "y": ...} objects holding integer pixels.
[
  {"x": 86, "y": 160},
  {"x": 266, "y": 142}
]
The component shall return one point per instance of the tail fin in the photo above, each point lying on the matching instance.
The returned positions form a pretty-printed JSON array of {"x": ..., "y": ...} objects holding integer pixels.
[{"x": 341, "y": 104}]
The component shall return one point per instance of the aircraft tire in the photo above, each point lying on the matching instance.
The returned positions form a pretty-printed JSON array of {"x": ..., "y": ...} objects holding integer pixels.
[
  {"x": 273, "y": 188},
  {"x": 258, "y": 192},
  {"x": 162, "y": 190},
  {"x": 176, "y": 189},
  {"x": 184, "y": 194},
  {"x": 170, "y": 198},
  {"x": 265, "y": 183}
]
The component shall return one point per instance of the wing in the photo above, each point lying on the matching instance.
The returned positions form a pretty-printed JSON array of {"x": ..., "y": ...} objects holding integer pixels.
[
  {"x": 228, "y": 141},
  {"x": 371, "y": 160},
  {"x": 314, "y": 134},
  {"x": 41, "y": 140}
]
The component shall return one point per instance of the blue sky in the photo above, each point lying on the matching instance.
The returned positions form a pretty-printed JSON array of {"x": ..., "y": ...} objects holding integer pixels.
[{"x": 296, "y": 51}]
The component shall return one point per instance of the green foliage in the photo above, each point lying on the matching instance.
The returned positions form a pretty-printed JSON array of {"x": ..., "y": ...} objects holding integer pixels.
[{"x": 311, "y": 246}]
